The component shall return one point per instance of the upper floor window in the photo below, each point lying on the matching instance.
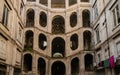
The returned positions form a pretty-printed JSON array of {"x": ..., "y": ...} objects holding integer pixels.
[
  {"x": 3, "y": 46},
  {"x": 118, "y": 47},
  {"x": 86, "y": 18},
  {"x": 73, "y": 19},
  {"x": 58, "y": 3},
  {"x": 116, "y": 15},
  {"x": 44, "y": 2},
  {"x": 30, "y": 17},
  {"x": 95, "y": 11},
  {"x": 43, "y": 19},
  {"x": 19, "y": 33},
  {"x": 21, "y": 8},
  {"x": 5, "y": 15},
  {"x": 72, "y": 2},
  {"x": 97, "y": 34}
]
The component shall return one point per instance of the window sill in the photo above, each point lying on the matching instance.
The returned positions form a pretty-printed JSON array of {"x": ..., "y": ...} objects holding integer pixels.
[
  {"x": 4, "y": 26},
  {"x": 115, "y": 27}
]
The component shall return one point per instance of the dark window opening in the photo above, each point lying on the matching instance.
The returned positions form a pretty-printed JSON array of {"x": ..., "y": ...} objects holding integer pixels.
[
  {"x": 84, "y": 0},
  {"x": 27, "y": 63},
  {"x": 28, "y": 40},
  {"x": 72, "y": 2},
  {"x": 58, "y": 25},
  {"x": 5, "y": 15},
  {"x": 58, "y": 3},
  {"x": 3, "y": 69},
  {"x": 74, "y": 41},
  {"x": 87, "y": 40},
  {"x": 73, "y": 19},
  {"x": 88, "y": 62},
  {"x": 58, "y": 68},
  {"x": 42, "y": 41},
  {"x": 44, "y": 2},
  {"x": 75, "y": 66},
  {"x": 43, "y": 19},
  {"x": 86, "y": 18},
  {"x": 17, "y": 71},
  {"x": 41, "y": 66},
  {"x": 30, "y": 18},
  {"x": 58, "y": 47}
]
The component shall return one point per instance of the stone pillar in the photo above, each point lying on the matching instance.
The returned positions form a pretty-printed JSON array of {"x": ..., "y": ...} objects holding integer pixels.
[
  {"x": 34, "y": 64},
  {"x": 66, "y": 4},
  {"x": 10, "y": 70},
  {"x": 82, "y": 63},
  {"x": 68, "y": 66}
]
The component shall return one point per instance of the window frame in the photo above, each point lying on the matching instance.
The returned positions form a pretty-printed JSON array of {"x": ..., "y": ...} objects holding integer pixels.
[
  {"x": 116, "y": 14},
  {"x": 97, "y": 33},
  {"x": 5, "y": 15},
  {"x": 118, "y": 50}
]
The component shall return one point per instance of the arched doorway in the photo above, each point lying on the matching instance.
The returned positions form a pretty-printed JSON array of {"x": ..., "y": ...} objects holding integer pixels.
[
  {"x": 75, "y": 66},
  {"x": 41, "y": 66},
  {"x": 27, "y": 63},
  {"x": 88, "y": 62},
  {"x": 58, "y": 68}
]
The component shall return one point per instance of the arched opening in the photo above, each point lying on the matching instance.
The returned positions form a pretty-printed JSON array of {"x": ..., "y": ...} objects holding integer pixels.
[
  {"x": 58, "y": 25},
  {"x": 28, "y": 40},
  {"x": 72, "y": 2},
  {"x": 74, "y": 41},
  {"x": 41, "y": 66},
  {"x": 58, "y": 47},
  {"x": 88, "y": 62},
  {"x": 86, "y": 18},
  {"x": 3, "y": 69},
  {"x": 43, "y": 19},
  {"x": 84, "y": 0},
  {"x": 30, "y": 18},
  {"x": 42, "y": 41},
  {"x": 58, "y": 3},
  {"x": 58, "y": 68},
  {"x": 75, "y": 66},
  {"x": 27, "y": 63},
  {"x": 44, "y": 2},
  {"x": 87, "y": 40},
  {"x": 73, "y": 19}
]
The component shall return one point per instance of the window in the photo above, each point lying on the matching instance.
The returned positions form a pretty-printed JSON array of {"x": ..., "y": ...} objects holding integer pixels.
[
  {"x": 95, "y": 10},
  {"x": 116, "y": 15},
  {"x": 19, "y": 33},
  {"x": 118, "y": 47},
  {"x": 97, "y": 34},
  {"x": 18, "y": 56},
  {"x": 72, "y": 2},
  {"x": 5, "y": 15},
  {"x": 44, "y": 2},
  {"x": 99, "y": 57},
  {"x": 21, "y": 8},
  {"x": 2, "y": 47}
]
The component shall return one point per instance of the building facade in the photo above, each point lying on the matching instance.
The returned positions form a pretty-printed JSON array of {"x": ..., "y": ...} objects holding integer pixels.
[
  {"x": 106, "y": 30},
  {"x": 59, "y": 37}
]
